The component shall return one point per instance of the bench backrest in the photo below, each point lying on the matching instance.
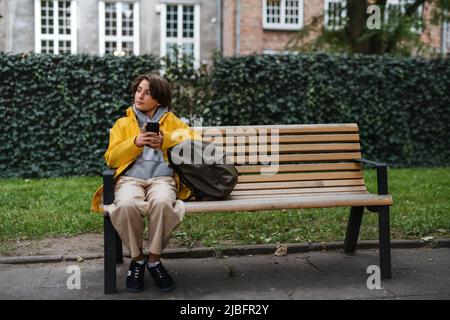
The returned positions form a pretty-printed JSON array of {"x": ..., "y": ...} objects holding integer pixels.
[{"x": 292, "y": 159}]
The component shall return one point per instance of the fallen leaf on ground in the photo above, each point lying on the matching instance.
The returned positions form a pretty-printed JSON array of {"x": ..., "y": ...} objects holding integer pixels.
[
  {"x": 281, "y": 250},
  {"x": 429, "y": 238},
  {"x": 80, "y": 259}
]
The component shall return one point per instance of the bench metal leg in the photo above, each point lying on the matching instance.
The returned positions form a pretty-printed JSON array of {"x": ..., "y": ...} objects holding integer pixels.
[
  {"x": 110, "y": 246},
  {"x": 385, "y": 242},
  {"x": 353, "y": 226}
]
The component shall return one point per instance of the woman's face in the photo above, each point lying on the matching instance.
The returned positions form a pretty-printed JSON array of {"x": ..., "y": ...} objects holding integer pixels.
[{"x": 143, "y": 99}]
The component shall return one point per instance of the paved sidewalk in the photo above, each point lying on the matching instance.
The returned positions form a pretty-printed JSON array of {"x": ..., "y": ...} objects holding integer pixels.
[{"x": 417, "y": 274}]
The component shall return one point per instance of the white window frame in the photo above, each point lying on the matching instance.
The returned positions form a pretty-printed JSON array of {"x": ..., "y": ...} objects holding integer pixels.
[
  {"x": 326, "y": 16},
  {"x": 446, "y": 37},
  {"x": 279, "y": 52},
  {"x": 118, "y": 38},
  {"x": 179, "y": 40},
  {"x": 397, "y": 3},
  {"x": 55, "y": 37},
  {"x": 283, "y": 25}
]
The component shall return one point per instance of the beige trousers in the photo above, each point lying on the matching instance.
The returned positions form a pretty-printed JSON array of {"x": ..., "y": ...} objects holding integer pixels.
[{"x": 136, "y": 199}]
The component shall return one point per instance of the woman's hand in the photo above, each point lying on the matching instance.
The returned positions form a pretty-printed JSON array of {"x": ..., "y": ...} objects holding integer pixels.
[
  {"x": 155, "y": 140},
  {"x": 150, "y": 139}
]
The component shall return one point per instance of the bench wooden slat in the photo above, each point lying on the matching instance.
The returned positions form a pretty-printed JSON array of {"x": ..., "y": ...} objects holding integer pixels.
[
  {"x": 298, "y": 202},
  {"x": 300, "y": 176},
  {"x": 291, "y": 148},
  {"x": 290, "y": 195},
  {"x": 296, "y": 191},
  {"x": 282, "y": 129},
  {"x": 245, "y": 159},
  {"x": 306, "y": 167},
  {"x": 299, "y": 184},
  {"x": 222, "y": 141}
]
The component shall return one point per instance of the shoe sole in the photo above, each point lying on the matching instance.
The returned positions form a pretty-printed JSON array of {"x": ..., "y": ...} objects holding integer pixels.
[
  {"x": 135, "y": 290},
  {"x": 167, "y": 289}
]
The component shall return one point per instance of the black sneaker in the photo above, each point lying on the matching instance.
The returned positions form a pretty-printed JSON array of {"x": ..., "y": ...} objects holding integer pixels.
[
  {"x": 162, "y": 278},
  {"x": 135, "y": 277}
]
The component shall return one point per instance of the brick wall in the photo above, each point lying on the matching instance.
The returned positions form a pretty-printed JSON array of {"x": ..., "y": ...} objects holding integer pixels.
[
  {"x": 229, "y": 27},
  {"x": 254, "y": 39},
  {"x": 432, "y": 34},
  {"x": 277, "y": 40}
]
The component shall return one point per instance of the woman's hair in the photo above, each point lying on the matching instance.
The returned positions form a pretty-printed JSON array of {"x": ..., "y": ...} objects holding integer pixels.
[{"x": 160, "y": 88}]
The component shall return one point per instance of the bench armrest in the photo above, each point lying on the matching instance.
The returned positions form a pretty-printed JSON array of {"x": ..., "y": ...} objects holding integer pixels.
[
  {"x": 382, "y": 178},
  {"x": 108, "y": 186}
]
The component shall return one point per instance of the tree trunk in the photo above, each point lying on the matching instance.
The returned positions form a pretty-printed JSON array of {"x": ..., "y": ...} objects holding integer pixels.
[
  {"x": 374, "y": 42},
  {"x": 356, "y": 11}
]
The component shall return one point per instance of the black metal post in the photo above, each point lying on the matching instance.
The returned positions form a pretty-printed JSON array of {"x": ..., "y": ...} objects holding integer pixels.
[
  {"x": 382, "y": 179},
  {"x": 385, "y": 242},
  {"x": 111, "y": 246},
  {"x": 108, "y": 186},
  {"x": 110, "y": 256},
  {"x": 353, "y": 227}
]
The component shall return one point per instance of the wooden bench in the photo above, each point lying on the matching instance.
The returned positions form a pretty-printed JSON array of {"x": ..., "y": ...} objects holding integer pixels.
[{"x": 320, "y": 166}]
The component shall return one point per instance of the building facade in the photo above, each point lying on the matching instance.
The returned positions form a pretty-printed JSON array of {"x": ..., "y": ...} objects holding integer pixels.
[
  {"x": 196, "y": 27},
  {"x": 266, "y": 26},
  {"x": 100, "y": 27}
]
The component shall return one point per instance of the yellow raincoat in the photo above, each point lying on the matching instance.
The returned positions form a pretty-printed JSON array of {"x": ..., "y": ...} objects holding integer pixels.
[{"x": 122, "y": 151}]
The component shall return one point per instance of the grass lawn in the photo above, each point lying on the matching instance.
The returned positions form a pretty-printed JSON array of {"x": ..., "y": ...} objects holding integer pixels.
[{"x": 41, "y": 208}]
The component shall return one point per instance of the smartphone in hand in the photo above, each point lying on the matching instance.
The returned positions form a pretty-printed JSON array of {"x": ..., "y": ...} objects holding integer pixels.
[{"x": 152, "y": 127}]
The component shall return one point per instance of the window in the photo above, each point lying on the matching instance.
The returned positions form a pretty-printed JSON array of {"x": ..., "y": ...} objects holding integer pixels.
[
  {"x": 55, "y": 26},
  {"x": 335, "y": 13},
  {"x": 180, "y": 30},
  {"x": 446, "y": 38},
  {"x": 118, "y": 28},
  {"x": 398, "y": 7},
  {"x": 283, "y": 14}
]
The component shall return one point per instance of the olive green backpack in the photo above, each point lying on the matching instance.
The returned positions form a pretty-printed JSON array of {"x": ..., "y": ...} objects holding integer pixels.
[{"x": 204, "y": 169}]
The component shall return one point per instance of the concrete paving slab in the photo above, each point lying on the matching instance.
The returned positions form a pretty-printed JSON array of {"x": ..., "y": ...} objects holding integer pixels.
[{"x": 417, "y": 274}]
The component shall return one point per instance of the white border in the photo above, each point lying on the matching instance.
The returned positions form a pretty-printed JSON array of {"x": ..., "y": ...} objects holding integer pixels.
[
  {"x": 445, "y": 37},
  {"x": 101, "y": 28},
  {"x": 136, "y": 28},
  {"x": 197, "y": 15},
  {"x": 37, "y": 26},
  {"x": 163, "y": 39},
  {"x": 73, "y": 26}
]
